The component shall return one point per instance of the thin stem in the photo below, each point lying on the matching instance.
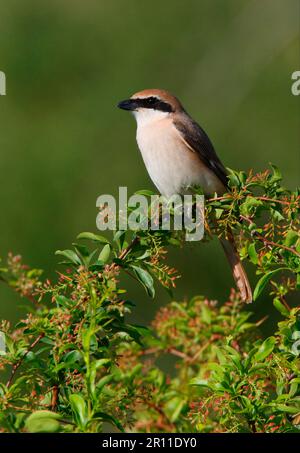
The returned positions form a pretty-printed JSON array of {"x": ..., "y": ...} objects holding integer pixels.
[
  {"x": 162, "y": 414},
  {"x": 263, "y": 198},
  {"x": 201, "y": 350},
  {"x": 268, "y": 242},
  {"x": 274, "y": 200},
  {"x": 282, "y": 298},
  {"x": 252, "y": 425},
  {"x": 54, "y": 398},
  {"x": 177, "y": 353},
  {"x": 18, "y": 364},
  {"x": 125, "y": 252}
]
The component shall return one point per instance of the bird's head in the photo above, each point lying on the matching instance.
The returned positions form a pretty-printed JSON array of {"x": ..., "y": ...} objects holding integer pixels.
[{"x": 150, "y": 105}]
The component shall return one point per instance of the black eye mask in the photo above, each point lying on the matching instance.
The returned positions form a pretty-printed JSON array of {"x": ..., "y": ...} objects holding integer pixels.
[
  {"x": 153, "y": 103},
  {"x": 146, "y": 103}
]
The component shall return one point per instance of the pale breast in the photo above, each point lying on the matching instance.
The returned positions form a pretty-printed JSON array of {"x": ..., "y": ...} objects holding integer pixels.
[{"x": 170, "y": 164}]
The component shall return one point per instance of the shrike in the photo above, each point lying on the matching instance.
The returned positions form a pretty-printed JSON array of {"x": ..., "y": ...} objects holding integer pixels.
[{"x": 178, "y": 154}]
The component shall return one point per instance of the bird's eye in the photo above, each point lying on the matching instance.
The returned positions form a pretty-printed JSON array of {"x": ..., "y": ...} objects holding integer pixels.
[{"x": 152, "y": 100}]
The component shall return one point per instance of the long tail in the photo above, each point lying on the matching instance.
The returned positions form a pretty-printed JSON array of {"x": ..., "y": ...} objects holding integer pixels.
[{"x": 238, "y": 271}]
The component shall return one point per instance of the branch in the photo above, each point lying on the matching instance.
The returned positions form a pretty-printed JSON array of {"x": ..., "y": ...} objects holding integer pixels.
[
  {"x": 54, "y": 398},
  {"x": 268, "y": 242},
  {"x": 17, "y": 365},
  {"x": 273, "y": 200},
  {"x": 125, "y": 252},
  {"x": 263, "y": 198}
]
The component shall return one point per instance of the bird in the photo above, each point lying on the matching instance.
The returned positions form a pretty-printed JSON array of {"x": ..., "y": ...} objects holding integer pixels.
[{"x": 178, "y": 154}]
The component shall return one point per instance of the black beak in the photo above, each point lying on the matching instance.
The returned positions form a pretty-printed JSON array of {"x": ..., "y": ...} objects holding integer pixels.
[{"x": 128, "y": 104}]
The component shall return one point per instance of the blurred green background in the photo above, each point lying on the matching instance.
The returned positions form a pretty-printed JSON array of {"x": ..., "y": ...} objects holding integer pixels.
[{"x": 64, "y": 142}]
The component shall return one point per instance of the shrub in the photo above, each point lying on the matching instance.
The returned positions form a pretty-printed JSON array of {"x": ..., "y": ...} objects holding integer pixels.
[{"x": 75, "y": 363}]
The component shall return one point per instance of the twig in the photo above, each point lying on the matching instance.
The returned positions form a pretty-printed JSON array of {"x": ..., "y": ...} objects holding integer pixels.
[
  {"x": 268, "y": 242},
  {"x": 273, "y": 200},
  {"x": 63, "y": 276},
  {"x": 252, "y": 425},
  {"x": 149, "y": 351},
  {"x": 275, "y": 244},
  {"x": 202, "y": 349},
  {"x": 261, "y": 321},
  {"x": 162, "y": 414},
  {"x": 54, "y": 398},
  {"x": 263, "y": 198},
  {"x": 125, "y": 252},
  {"x": 177, "y": 353},
  {"x": 282, "y": 298},
  {"x": 17, "y": 365},
  {"x": 219, "y": 198}
]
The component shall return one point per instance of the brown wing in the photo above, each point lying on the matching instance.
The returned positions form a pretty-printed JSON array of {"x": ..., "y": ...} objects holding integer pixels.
[{"x": 198, "y": 141}]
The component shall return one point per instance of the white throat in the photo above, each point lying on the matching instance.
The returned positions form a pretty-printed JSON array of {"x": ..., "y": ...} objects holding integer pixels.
[{"x": 146, "y": 116}]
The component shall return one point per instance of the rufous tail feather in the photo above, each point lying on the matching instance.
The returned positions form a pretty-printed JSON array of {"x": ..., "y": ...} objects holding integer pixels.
[{"x": 238, "y": 271}]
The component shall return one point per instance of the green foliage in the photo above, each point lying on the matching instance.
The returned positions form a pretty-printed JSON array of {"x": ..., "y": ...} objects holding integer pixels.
[
  {"x": 266, "y": 216},
  {"x": 75, "y": 363}
]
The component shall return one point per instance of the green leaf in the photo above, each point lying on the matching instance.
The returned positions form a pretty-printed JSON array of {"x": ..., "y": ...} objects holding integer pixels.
[
  {"x": 218, "y": 212},
  {"x": 103, "y": 382},
  {"x": 242, "y": 177},
  {"x": 235, "y": 357},
  {"x": 248, "y": 207},
  {"x": 145, "y": 278},
  {"x": 280, "y": 307},
  {"x": 73, "y": 357},
  {"x": 119, "y": 238},
  {"x": 233, "y": 178},
  {"x": 108, "y": 418},
  {"x": 174, "y": 407},
  {"x": 218, "y": 369},
  {"x": 291, "y": 238},
  {"x": 43, "y": 422},
  {"x": 265, "y": 349},
  {"x": 70, "y": 255},
  {"x": 147, "y": 193},
  {"x": 199, "y": 382},
  {"x": 252, "y": 253},
  {"x": 294, "y": 384},
  {"x": 276, "y": 215},
  {"x": 81, "y": 249},
  {"x": 79, "y": 409},
  {"x": 285, "y": 408},
  {"x": 93, "y": 237},
  {"x": 101, "y": 362},
  {"x": 206, "y": 314},
  {"x": 63, "y": 301},
  {"x": 264, "y": 280},
  {"x": 276, "y": 176},
  {"x": 298, "y": 281},
  {"x": 258, "y": 368},
  {"x": 133, "y": 331},
  {"x": 104, "y": 254}
]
